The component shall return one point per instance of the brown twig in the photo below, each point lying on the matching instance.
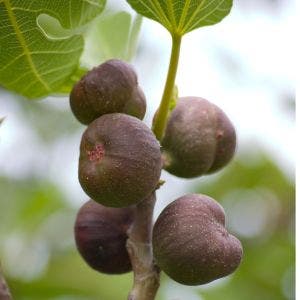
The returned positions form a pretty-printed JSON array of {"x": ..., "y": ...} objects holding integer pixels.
[
  {"x": 4, "y": 290},
  {"x": 139, "y": 246}
]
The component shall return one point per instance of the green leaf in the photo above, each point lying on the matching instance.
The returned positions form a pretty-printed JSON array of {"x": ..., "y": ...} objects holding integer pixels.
[
  {"x": 32, "y": 62},
  {"x": 113, "y": 36},
  {"x": 180, "y": 17},
  {"x": 68, "y": 85}
]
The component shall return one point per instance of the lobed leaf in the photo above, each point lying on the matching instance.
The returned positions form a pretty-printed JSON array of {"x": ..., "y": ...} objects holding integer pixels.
[
  {"x": 31, "y": 62},
  {"x": 182, "y": 16}
]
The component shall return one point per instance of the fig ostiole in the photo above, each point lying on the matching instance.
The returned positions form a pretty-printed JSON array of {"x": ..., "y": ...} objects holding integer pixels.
[
  {"x": 120, "y": 160},
  {"x": 108, "y": 88},
  {"x": 191, "y": 243},
  {"x": 199, "y": 138}
]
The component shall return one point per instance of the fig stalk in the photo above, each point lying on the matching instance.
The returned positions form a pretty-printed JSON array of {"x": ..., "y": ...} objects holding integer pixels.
[
  {"x": 139, "y": 247},
  {"x": 160, "y": 121},
  {"x": 4, "y": 290}
]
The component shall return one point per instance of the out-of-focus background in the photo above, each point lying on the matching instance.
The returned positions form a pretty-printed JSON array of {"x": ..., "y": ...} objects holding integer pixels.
[{"x": 244, "y": 65}]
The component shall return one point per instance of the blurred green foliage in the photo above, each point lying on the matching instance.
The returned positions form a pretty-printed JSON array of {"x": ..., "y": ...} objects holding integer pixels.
[{"x": 34, "y": 210}]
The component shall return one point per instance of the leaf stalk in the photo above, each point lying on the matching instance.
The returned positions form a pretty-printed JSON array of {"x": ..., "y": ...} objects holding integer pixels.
[{"x": 160, "y": 120}]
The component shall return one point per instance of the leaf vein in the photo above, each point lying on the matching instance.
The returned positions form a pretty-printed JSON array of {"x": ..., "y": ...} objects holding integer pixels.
[
  {"x": 11, "y": 62},
  {"x": 15, "y": 80},
  {"x": 208, "y": 14},
  {"x": 172, "y": 16},
  {"x": 194, "y": 15},
  {"x": 162, "y": 14},
  {"x": 23, "y": 44},
  {"x": 57, "y": 69},
  {"x": 183, "y": 15},
  {"x": 26, "y": 9},
  {"x": 55, "y": 52}
]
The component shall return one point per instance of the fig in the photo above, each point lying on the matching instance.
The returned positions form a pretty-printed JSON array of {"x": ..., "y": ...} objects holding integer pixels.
[
  {"x": 108, "y": 88},
  {"x": 100, "y": 236},
  {"x": 120, "y": 160},
  {"x": 191, "y": 243},
  {"x": 199, "y": 138}
]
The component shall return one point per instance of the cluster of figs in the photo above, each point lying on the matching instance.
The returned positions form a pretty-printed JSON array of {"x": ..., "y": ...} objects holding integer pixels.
[{"x": 120, "y": 165}]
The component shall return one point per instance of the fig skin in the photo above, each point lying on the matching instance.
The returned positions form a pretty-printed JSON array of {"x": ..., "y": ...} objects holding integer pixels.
[
  {"x": 100, "y": 236},
  {"x": 199, "y": 138},
  {"x": 108, "y": 88},
  {"x": 120, "y": 160},
  {"x": 191, "y": 244}
]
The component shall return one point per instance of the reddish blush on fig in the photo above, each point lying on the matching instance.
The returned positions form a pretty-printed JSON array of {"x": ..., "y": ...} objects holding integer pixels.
[{"x": 120, "y": 160}]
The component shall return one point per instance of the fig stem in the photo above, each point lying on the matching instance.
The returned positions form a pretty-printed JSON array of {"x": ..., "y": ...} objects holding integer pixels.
[
  {"x": 160, "y": 121},
  {"x": 139, "y": 247},
  {"x": 4, "y": 290}
]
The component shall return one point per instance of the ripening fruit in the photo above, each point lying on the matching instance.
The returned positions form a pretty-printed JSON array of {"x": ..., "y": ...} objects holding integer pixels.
[
  {"x": 199, "y": 138},
  {"x": 110, "y": 87},
  {"x": 191, "y": 243},
  {"x": 100, "y": 236},
  {"x": 120, "y": 160}
]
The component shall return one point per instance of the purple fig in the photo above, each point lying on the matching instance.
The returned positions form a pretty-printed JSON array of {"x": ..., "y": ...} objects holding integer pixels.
[
  {"x": 120, "y": 160},
  {"x": 199, "y": 138},
  {"x": 111, "y": 87},
  {"x": 100, "y": 236},
  {"x": 191, "y": 243}
]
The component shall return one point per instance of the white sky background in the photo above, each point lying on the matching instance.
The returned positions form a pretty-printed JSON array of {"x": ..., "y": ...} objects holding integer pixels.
[{"x": 242, "y": 64}]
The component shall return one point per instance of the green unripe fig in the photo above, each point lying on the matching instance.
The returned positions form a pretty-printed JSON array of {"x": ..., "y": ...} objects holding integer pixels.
[
  {"x": 111, "y": 87},
  {"x": 191, "y": 244},
  {"x": 120, "y": 160},
  {"x": 100, "y": 236},
  {"x": 199, "y": 138}
]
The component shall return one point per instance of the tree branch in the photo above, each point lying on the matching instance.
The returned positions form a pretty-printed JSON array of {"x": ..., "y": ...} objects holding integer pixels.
[
  {"x": 139, "y": 247},
  {"x": 4, "y": 290}
]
